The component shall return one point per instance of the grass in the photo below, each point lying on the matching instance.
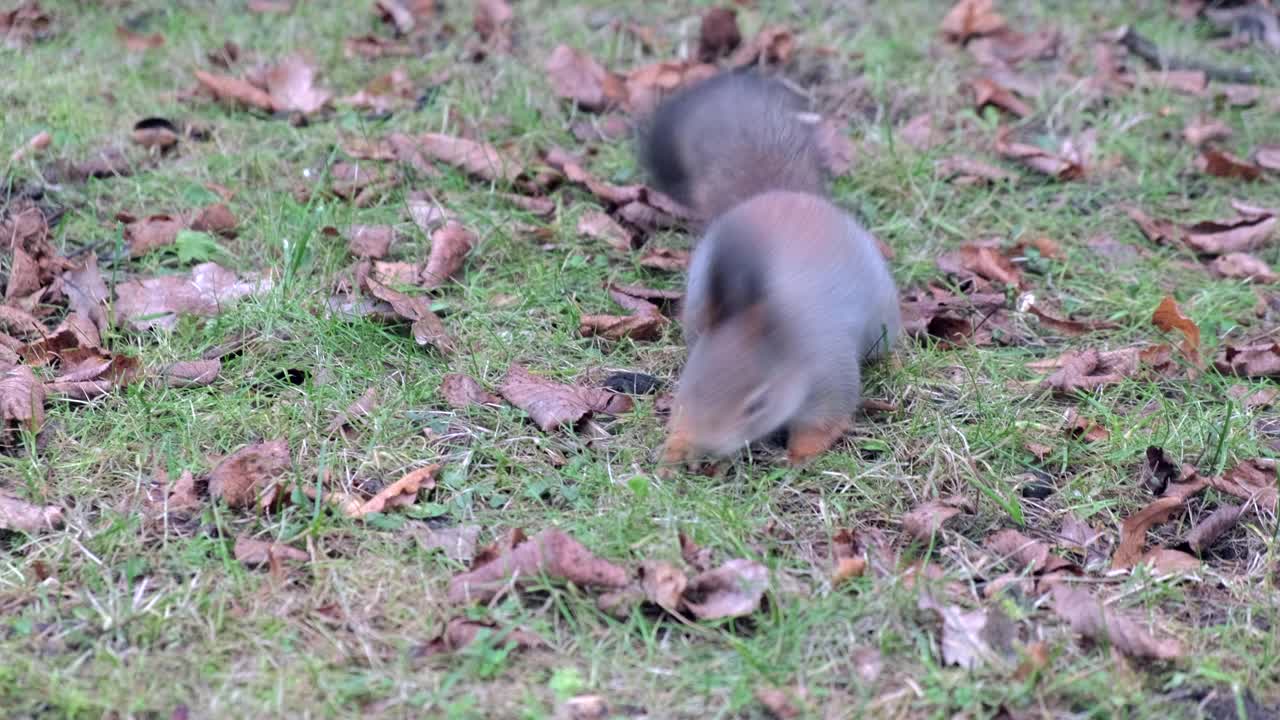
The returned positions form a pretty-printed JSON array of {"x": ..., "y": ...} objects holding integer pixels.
[{"x": 112, "y": 615}]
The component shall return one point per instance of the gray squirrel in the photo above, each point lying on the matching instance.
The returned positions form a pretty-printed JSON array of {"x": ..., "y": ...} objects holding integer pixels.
[{"x": 786, "y": 294}]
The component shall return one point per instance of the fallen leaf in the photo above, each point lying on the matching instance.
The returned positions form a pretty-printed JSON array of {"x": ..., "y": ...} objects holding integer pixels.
[
  {"x": 101, "y": 164},
  {"x": 475, "y": 158},
  {"x": 927, "y": 519},
  {"x": 1263, "y": 398},
  {"x": 973, "y": 638},
  {"x": 1133, "y": 531},
  {"x": 1225, "y": 165},
  {"x": 33, "y": 146},
  {"x": 1096, "y": 621},
  {"x": 25, "y": 24},
  {"x": 718, "y": 34},
  {"x": 427, "y": 329},
  {"x": 1091, "y": 369},
  {"x": 400, "y": 493},
  {"x": 1027, "y": 553},
  {"x": 460, "y": 632},
  {"x": 663, "y": 584},
  {"x": 967, "y": 171},
  {"x": 847, "y": 561},
  {"x": 1242, "y": 234},
  {"x": 270, "y": 6},
  {"x": 1069, "y": 326},
  {"x": 492, "y": 21},
  {"x": 551, "y": 554},
  {"x": 645, "y": 323},
  {"x": 372, "y": 241},
  {"x": 354, "y": 413},
  {"x": 1166, "y": 561},
  {"x": 1255, "y": 359},
  {"x": 665, "y": 259},
  {"x": 981, "y": 260},
  {"x": 1168, "y": 317},
  {"x": 1217, "y": 524},
  {"x": 137, "y": 42},
  {"x": 249, "y": 472},
  {"x": 694, "y": 555},
  {"x": 578, "y": 77},
  {"x": 1085, "y": 429},
  {"x": 178, "y": 497},
  {"x": 989, "y": 92},
  {"x": 1266, "y": 157},
  {"x": 572, "y": 169},
  {"x": 449, "y": 247},
  {"x": 461, "y": 391},
  {"x": 772, "y": 45},
  {"x": 778, "y": 703},
  {"x": 457, "y": 543},
  {"x": 191, "y": 373},
  {"x": 405, "y": 14},
  {"x": 373, "y": 47},
  {"x": 21, "y": 516},
  {"x": 235, "y": 91},
  {"x": 922, "y": 132},
  {"x": 1043, "y": 161},
  {"x": 256, "y": 553},
  {"x": 1254, "y": 481},
  {"x": 734, "y": 589},
  {"x": 1187, "y": 82},
  {"x": 151, "y": 233},
  {"x": 21, "y": 402},
  {"x": 552, "y": 404},
  {"x": 954, "y": 318},
  {"x": 971, "y": 18},
  {"x": 1203, "y": 131},
  {"x": 599, "y": 225},
  {"x": 158, "y": 301},
  {"x": 217, "y": 219}
]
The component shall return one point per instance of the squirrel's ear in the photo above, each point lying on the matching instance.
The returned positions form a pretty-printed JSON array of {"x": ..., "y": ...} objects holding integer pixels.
[{"x": 736, "y": 280}]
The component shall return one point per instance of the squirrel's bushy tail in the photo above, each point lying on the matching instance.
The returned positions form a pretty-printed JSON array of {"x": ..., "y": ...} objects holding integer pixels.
[{"x": 730, "y": 137}]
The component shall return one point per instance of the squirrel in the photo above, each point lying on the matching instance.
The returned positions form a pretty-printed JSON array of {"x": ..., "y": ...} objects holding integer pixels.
[{"x": 786, "y": 293}]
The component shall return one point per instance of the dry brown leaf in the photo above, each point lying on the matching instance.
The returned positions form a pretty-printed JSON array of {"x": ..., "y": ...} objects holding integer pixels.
[
  {"x": 405, "y": 14},
  {"x": 1091, "y": 369},
  {"x": 779, "y": 703},
  {"x": 1028, "y": 553},
  {"x": 1243, "y": 266},
  {"x": 989, "y": 92},
  {"x": 732, "y": 590},
  {"x": 578, "y": 77},
  {"x": 1069, "y": 326},
  {"x": 847, "y": 560},
  {"x": 1217, "y": 524},
  {"x": 36, "y": 144},
  {"x": 1085, "y": 429},
  {"x": 972, "y": 638},
  {"x": 1096, "y": 621},
  {"x": 971, "y": 18},
  {"x": 1166, "y": 561},
  {"x": 1043, "y": 161},
  {"x": 158, "y": 301},
  {"x": 695, "y": 556},
  {"x": 1256, "y": 359},
  {"x": 1168, "y": 317},
  {"x": 179, "y": 497},
  {"x": 1133, "y": 531},
  {"x": 354, "y": 413},
  {"x": 772, "y": 45},
  {"x": 981, "y": 260},
  {"x": 572, "y": 169},
  {"x": 371, "y": 241},
  {"x": 1252, "y": 480},
  {"x": 666, "y": 259},
  {"x": 457, "y": 542},
  {"x": 1188, "y": 82},
  {"x": 449, "y": 247},
  {"x": 427, "y": 329},
  {"x": 400, "y": 493},
  {"x": 475, "y": 158},
  {"x": 552, "y": 404},
  {"x": 280, "y": 7},
  {"x": 551, "y": 554},
  {"x": 927, "y": 519},
  {"x": 137, "y": 42},
  {"x": 217, "y": 219},
  {"x": 663, "y": 584},
  {"x": 493, "y": 21},
  {"x": 1250, "y": 399},
  {"x": 645, "y": 323},
  {"x": 22, "y": 399},
  {"x": 191, "y": 373},
  {"x": 1267, "y": 157},
  {"x": 249, "y": 472},
  {"x": 21, "y": 516},
  {"x": 374, "y": 46},
  {"x": 955, "y": 319},
  {"x": 1204, "y": 130},
  {"x": 234, "y": 90},
  {"x": 460, "y": 632},
  {"x": 461, "y": 391},
  {"x": 1242, "y": 234},
  {"x": 152, "y": 232},
  {"x": 718, "y": 34},
  {"x": 256, "y": 553},
  {"x": 599, "y": 225},
  {"x": 1223, "y": 164}
]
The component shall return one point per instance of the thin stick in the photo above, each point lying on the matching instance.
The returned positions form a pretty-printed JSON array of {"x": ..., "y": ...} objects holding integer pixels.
[{"x": 1150, "y": 52}]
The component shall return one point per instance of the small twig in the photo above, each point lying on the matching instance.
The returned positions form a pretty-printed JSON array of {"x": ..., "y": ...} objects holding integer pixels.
[{"x": 1150, "y": 52}]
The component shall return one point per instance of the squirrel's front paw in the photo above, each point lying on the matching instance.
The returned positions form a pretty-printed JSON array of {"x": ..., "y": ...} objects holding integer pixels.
[{"x": 805, "y": 442}]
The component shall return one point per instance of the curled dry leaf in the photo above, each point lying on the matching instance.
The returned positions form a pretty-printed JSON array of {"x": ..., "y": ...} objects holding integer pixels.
[
  {"x": 927, "y": 519},
  {"x": 578, "y": 77},
  {"x": 426, "y": 327},
  {"x": 1091, "y": 369},
  {"x": 374, "y": 46},
  {"x": 21, "y": 402},
  {"x": 1091, "y": 618},
  {"x": 1223, "y": 164},
  {"x": 1060, "y": 167},
  {"x": 1217, "y": 524},
  {"x": 475, "y": 158},
  {"x": 191, "y": 373},
  {"x": 847, "y": 560},
  {"x": 235, "y": 91},
  {"x": 457, "y": 543},
  {"x": 460, "y": 632},
  {"x": 1243, "y": 266},
  {"x": 718, "y": 34},
  {"x": 1168, "y": 317},
  {"x": 21, "y": 516},
  {"x": 461, "y": 391},
  {"x": 694, "y": 555},
  {"x": 1256, "y": 359},
  {"x": 663, "y": 584},
  {"x": 1267, "y": 157},
  {"x": 1202, "y": 131},
  {"x": 772, "y": 45},
  {"x": 599, "y": 225},
  {"x": 1069, "y": 326},
  {"x": 137, "y": 42},
  {"x": 256, "y": 553},
  {"x": 551, "y": 554},
  {"x": 780, "y": 703},
  {"x": 384, "y": 93},
  {"x": 36, "y": 144},
  {"x": 645, "y": 323},
  {"x": 1026, "y": 553},
  {"x": 249, "y": 472},
  {"x": 1083, "y": 428},
  {"x": 371, "y": 241},
  {"x": 734, "y": 589},
  {"x": 987, "y": 91},
  {"x": 449, "y": 247},
  {"x": 180, "y": 497},
  {"x": 291, "y": 86},
  {"x": 1133, "y": 531},
  {"x": 1252, "y": 400},
  {"x": 561, "y": 160},
  {"x": 552, "y": 404},
  {"x": 157, "y": 302},
  {"x": 973, "y": 638},
  {"x": 152, "y": 232},
  {"x": 967, "y": 171},
  {"x": 354, "y": 413},
  {"x": 1243, "y": 235},
  {"x": 400, "y": 493},
  {"x": 981, "y": 260},
  {"x": 665, "y": 259},
  {"x": 647, "y": 84},
  {"x": 1254, "y": 481}
]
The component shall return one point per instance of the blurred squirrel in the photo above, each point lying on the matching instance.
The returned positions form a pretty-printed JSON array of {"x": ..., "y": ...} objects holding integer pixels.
[{"x": 786, "y": 293}]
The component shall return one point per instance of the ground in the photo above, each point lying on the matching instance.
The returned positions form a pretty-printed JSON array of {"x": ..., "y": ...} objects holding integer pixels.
[{"x": 117, "y": 614}]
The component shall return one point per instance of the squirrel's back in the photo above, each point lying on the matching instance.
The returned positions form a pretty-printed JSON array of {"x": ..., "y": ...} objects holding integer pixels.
[{"x": 729, "y": 138}]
